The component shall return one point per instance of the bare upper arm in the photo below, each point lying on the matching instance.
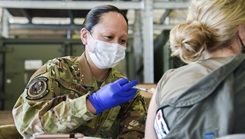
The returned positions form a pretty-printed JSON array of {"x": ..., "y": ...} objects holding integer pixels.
[{"x": 151, "y": 114}]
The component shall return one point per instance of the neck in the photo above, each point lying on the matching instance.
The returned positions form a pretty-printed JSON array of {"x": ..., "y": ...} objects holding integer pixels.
[
  {"x": 225, "y": 52},
  {"x": 99, "y": 74}
]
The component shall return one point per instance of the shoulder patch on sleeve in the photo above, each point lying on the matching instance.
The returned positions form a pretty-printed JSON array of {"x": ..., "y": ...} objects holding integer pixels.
[
  {"x": 160, "y": 125},
  {"x": 37, "y": 88}
]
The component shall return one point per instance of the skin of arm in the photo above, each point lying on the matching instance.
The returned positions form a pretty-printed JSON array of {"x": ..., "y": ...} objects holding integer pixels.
[
  {"x": 149, "y": 129},
  {"x": 90, "y": 107}
]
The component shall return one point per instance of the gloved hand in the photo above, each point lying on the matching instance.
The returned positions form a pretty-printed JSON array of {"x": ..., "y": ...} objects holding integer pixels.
[{"x": 113, "y": 94}]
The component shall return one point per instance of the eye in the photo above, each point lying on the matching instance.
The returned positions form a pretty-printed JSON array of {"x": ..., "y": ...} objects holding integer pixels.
[
  {"x": 123, "y": 41},
  {"x": 109, "y": 37}
]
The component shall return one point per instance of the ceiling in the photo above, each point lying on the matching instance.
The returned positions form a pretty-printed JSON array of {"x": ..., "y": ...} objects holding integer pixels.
[{"x": 30, "y": 18}]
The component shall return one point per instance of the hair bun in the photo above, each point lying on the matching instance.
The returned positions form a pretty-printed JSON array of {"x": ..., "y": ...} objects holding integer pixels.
[{"x": 190, "y": 39}]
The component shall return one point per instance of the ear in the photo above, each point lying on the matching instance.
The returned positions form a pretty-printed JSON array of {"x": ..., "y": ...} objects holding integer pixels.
[
  {"x": 241, "y": 32},
  {"x": 83, "y": 34}
]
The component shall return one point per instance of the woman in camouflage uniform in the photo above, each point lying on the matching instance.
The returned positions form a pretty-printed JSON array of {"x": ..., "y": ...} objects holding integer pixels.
[{"x": 85, "y": 94}]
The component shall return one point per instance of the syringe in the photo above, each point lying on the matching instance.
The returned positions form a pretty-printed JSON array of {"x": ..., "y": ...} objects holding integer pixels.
[{"x": 141, "y": 88}]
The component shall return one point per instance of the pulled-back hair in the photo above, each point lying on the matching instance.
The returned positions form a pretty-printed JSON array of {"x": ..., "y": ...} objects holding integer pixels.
[
  {"x": 211, "y": 24},
  {"x": 93, "y": 16}
]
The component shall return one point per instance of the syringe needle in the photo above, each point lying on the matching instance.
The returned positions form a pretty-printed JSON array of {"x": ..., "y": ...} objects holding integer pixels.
[{"x": 141, "y": 88}]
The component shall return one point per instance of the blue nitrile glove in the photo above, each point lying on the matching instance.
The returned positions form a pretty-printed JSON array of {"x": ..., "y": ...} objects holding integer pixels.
[{"x": 113, "y": 94}]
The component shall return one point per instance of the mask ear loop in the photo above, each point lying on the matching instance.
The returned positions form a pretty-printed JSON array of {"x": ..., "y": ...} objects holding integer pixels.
[
  {"x": 243, "y": 47},
  {"x": 88, "y": 32}
]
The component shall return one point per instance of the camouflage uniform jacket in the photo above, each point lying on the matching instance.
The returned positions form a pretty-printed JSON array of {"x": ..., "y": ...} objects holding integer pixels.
[{"x": 54, "y": 101}]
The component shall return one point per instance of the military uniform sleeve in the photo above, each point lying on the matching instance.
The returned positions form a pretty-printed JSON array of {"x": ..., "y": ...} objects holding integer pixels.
[
  {"x": 42, "y": 108},
  {"x": 133, "y": 120}
]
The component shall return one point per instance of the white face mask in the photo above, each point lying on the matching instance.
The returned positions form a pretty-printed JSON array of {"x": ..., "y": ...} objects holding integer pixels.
[{"x": 106, "y": 55}]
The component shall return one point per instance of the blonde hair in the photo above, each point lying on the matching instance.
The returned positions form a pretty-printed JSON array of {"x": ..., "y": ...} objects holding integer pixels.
[{"x": 211, "y": 24}]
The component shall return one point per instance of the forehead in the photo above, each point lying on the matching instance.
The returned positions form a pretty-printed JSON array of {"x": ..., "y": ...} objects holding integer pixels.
[{"x": 112, "y": 21}]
